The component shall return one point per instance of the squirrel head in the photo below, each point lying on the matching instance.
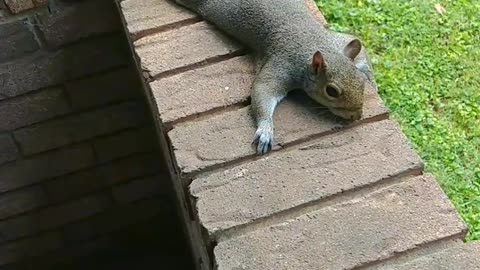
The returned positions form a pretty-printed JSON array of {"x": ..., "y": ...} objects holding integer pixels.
[{"x": 334, "y": 81}]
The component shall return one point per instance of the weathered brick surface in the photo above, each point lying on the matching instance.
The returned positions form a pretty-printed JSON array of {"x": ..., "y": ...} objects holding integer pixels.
[
  {"x": 21, "y": 201},
  {"x": 32, "y": 108},
  {"x": 17, "y": 6},
  {"x": 348, "y": 191},
  {"x": 349, "y": 234},
  {"x": 17, "y": 40},
  {"x": 145, "y": 15},
  {"x": 33, "y": 170},
  {"x": 141, "y": 188},
  {"x": 43, "y": 69},
  {"x": 228, "y": 136},
  {"x": 462, "y": 256},
  {"x": 79, "y": 127},
  {"x": 115, "y": 219},
  {"x": 8, "y": 149},
  {"x": 52, "y": 217},
  {"x": 125, "y": 143},
  {"x": 87, "y": 181},
  {"x": 77, "y": 20},
  {"x": 102, "y": 89},
  {"x": 207, "y": 88},
  {"x": 314, "y": 171},
  {"x": 192, "y": 44},
  {"x": 31, "y": 247}
]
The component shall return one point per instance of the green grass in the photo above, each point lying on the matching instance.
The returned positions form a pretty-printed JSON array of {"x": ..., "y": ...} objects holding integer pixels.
[{"x": 428, "y": 71}]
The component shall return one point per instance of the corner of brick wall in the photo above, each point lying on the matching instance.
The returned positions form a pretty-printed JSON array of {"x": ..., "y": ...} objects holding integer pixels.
[
  {"x": 330, "y": 195},
  {"x": 80, "y": 164}
]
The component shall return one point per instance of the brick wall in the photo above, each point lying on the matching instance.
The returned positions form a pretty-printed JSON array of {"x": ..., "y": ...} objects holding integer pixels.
[{"x": 82, "y": 181}]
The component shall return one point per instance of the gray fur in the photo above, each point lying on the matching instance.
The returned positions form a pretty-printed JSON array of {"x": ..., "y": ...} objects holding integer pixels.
[{"x": 285, "y": 35}]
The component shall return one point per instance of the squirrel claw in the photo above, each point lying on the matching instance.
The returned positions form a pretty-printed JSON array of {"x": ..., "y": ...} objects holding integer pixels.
[{"x": 264, "y": 142}]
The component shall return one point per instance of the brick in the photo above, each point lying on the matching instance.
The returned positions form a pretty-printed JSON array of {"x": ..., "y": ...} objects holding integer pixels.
[
  {"x": 312, "y": 5},
  {"x": 346, "y": 235},
  {"x": 17, "y": 40},
  {"x": 18, "y": 202},
  {"x": 8, "y": 149},
  {"x": 35, "y": 107},
  {"x": 43, "y": 69},
  {"x": 52, "y": 217},
  {"x": 182, "y": 47},
  {"x": 17, "y": 6},
  {"x": 80, "y": 127},
  {"x": 20, "y": 250},
  {"x": 204, "y": 89},
  {"x": 33, "y": 170},
  {"x": 94, "y": 179},
  {"x": 115, "y": 219},
  {"x": 141, "y": 188},
  {"x": 125, "y": 143},
  {"x": 99, "y": 90},
  {"x": 73, "y": 22},
  {"x": 297, "y": 118},
  {"x": 462, "y": 256},
  {"x": 264, "y": 187},
  {"x": 145, "y": 15}
]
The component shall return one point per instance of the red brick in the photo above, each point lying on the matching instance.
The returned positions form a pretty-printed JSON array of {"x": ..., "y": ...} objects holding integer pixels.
[
  {"x": 43, "y": 69},
  {"x": 20, "y": 201},
  {"x": 193, "y": 44},
  {"x": 144, "y": 15},
  {"x": 78, "y": 20},
  {"x": 23, "y": 249},
  {"x": 228, "y": 136},
  {"x": 102, "y": 89},
  {"x": 17, "y": 6},
  {"x": 115, "y": 219},
  {"x": 142, "y": 188},
  {"x": 262, "y": 188},
  {"x": 367, "y": 228},
  {"x": 126, "y": 143},
  {"x": 80, "y": 127},
  {"x": 8, "y": 149},
  {"x": 52, "y": 217},
  {"x": 17, "y": 40},
  {"x": 204, "y": 89},
  {"x": 28, "y": 109},
  {"x": 35, "y": 169},
  {"x": 102, "y": 177}
]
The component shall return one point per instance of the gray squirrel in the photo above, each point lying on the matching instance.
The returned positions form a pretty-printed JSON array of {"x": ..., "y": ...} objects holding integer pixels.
[{"x": 293, "y": 50}]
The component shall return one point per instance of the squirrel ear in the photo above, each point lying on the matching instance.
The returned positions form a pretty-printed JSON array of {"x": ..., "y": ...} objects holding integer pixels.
[
  {"x": 318, "y": 63},
  {"x": 352, "y": 49}
]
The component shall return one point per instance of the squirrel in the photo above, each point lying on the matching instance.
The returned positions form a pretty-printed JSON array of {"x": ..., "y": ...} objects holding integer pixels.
[{"x": 293, "y": 50}]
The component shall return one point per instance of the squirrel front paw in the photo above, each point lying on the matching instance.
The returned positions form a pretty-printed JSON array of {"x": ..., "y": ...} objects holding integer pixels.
[{"x": 263, "y": 140}]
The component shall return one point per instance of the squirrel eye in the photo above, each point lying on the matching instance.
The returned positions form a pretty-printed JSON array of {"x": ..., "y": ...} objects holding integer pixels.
[{"x": 332, "y": 92}]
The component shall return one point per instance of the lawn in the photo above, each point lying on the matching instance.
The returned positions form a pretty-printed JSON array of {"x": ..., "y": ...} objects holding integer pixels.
[{"x": 427, "y": 64}]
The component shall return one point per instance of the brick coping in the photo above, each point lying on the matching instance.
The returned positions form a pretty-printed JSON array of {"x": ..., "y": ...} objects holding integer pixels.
[{"x": 330, "y": 196}]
